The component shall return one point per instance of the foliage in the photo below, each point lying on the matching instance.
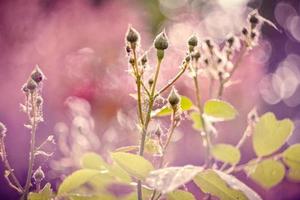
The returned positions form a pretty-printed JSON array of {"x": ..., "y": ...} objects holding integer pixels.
[{"x": 146, "y": 173}]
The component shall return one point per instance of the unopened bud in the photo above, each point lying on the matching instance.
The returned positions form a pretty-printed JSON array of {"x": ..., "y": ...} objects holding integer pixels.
[
  {"x": 39, "y": 101},
  {"x": 132, "y": 35},
  {"x": 3, "y": 130},
  {"x": 196, "y": 55},
  {"x": 193, "y": 41},
  {"x": 37, "y": 75},
  {"x": 161, "y": 41},
  {"x": 144, "y": 59},
  {"x": 158, "y": 131},
  {"x": 173, "y": 98},
  {"x": 253, "y": 21},
  {"x": 150, "y": 81},
  {"x": 31, "y": 85},
  {"x": 24, "y": 88},
  {"x": 245, "y": 31},
  {"x": 230, "y": 41},
  {"x": 38, "y": 175},
  {"x": 187, "y": 58},
  {"x": 131, "y": 61}
]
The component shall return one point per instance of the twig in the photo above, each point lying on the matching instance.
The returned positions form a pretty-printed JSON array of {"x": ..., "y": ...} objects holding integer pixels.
[
  {"x": 172, "y": 81},
  {"x": 15, "y": 184},
  {"x": 32, "y": 147}
]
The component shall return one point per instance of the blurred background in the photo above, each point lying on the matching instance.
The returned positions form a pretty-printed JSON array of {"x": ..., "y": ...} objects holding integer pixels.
[{"x": 79, "y": 45}]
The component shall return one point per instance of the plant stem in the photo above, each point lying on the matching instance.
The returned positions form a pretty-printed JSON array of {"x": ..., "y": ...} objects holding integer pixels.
[
  {"x": 198, "y": 104},
  {"x": 15, "y": 184},
  {"x": 240, "y": 143},
  {"x": 32, "y": 148},
  {"x": 164, "y": 150},
  {"x": 172, "y": 81},
  {"x": 222, "y": 82},
  {"x": 146, "y": 123}
]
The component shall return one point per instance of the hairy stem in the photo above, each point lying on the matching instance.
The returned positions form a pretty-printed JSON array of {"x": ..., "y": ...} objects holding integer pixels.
[
  {"x": 32, "y": 149},
  {"x": 200, "y": 110},
  {"x": 15, "y": 184}
]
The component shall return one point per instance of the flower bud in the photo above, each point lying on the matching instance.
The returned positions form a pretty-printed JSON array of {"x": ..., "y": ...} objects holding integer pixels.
[
  {"x": 144, "y": 59},
  {"x": 187, "y": 59},
  {"x": 38, "y": 175},
  {"x": 31, "y": 85},
  {"x": 253, "y": 21},
  {"x": 193, "y": 41},
  {"x": 24, "y": 88},
  {"x": 3, "y": 130},
  {"x": 196, "y": 55},
  {"x": 37, "y": 75},
  {"x": 158, "y": 131},
  {"x": 173, "y": 98},
  {"x": 131, "y": 61},
  {"x": 39, "y": 101},
  {"x": 150, "y": 81},
  {"x": 132, "y": 35},
  {"x": 245, "y": 31},
  {"x": 161, "y": 41}
]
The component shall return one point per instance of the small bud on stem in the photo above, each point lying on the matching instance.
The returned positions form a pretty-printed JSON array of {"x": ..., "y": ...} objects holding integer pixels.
[{"x": 174, "y": 98}]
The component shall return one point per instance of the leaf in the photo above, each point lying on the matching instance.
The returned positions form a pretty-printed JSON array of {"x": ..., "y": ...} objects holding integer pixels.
[
  {"x": 168, "y": 179},
  {"x": 210, "y": 182},
  {"x": 294, "y": 175},
  {"x": 93, "y": 161},
  {"x": 92, "y": 197},
  {"x": 185, "y": 103},
  {"x": 267, "y": 173},
  {"x": 127, "y": 148},
  {"x": 195, "y": 116},
  {"x": 44, "y": 194},
  {"x": 135, "y": 165},
  {"x": 152, "y": 146},
  {"x": 76, "y": 179},
  {"x": 226, "y": 153},
  {"x": 120, "y": 174},
  {"x": 180, "y": 195},
  {"x": 270, "y": 134},
  {"x": 291, "y": 156},
  {"x": 238, "y": 185},
  {"x": 220, "y": 110}
]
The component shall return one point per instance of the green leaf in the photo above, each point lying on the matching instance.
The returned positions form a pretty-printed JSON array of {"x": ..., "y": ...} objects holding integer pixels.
[
  {"x": 44, "y": 194},
  {"x": 270, "y": 134},
  {"x": 76, "y": 179},
  {"x": 135, "y": 165},
  {"x": 210, "y": 182},
  {"x": 93, "y": 161},
  {"x": 168, "y": 179},
  {"x": 93, "y": 197},
  {"x": 234, "y": 183},
  {"x": 226, "y": 153},
  {"x": 221, "y": 110},
  {"x": 291, "y": 156},
  {"x": 127, "y": 148},
  {"x": 152, "y": 146},
  {"x": 195, "y": 116},
  {"x": 120, "y": 174},
  {"x": 180, "y": 195},
  {"x": 186, "y": 104},
  {"x": 294, "y": 175},
  {"x": 267, "y": 173}
]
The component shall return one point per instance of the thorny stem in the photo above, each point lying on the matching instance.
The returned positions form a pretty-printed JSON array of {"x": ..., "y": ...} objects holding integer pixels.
[
  {"x": 164, "y": 149},
  {"x": 255, "y": 162},
  {"x": 172, "y": 81},
  {"x": 222, "y": 82},
  {"x": 146, "y": 123},
  {"x": 32, "y": 148},
  {"x": 15, "y": 184},
  {"x": 246, "y": 134},
  {"x": 198, "y": 104},
  {"x": 138, "y": 83}
]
